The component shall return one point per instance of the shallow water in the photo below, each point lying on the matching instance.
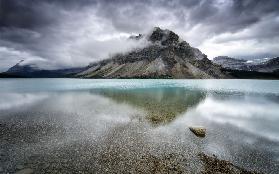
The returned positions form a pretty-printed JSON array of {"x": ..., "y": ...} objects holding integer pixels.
[{"x": 105, "y": 126}]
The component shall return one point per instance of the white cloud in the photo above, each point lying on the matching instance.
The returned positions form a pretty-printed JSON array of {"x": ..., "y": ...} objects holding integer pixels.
[{"x": 242, "y": 48}]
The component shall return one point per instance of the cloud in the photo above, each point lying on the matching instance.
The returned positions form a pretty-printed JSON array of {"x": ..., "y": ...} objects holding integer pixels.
[
  {"x": 16, "y": 100},
  {"x": 251, "y": 42},
  {"x": 247, "y": 114},
  {"x": 75, "y": 33}
]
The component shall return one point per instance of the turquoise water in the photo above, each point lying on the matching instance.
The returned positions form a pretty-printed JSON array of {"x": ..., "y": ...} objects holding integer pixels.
[
  {"x": 89, "y": 118},
  {"x": 33, "y": 85}
]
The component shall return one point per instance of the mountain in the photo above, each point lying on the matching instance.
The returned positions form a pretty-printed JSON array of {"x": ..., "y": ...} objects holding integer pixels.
[
  {"x": 266, "y": 65},
  {"x": 231, "y": 63},
  {"x": 266, "y": 68},
  {"x": 22, "y": 69},
  {"x": 165, "y": 56},
  {"x": 33, "y": 71},
  {"x": 271, "y": 66}
]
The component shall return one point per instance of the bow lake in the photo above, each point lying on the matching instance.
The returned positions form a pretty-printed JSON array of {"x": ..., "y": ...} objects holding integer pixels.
[{"x": 130, "y": 125}]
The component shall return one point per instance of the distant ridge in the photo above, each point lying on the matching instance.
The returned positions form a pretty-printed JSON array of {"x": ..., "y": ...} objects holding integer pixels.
[
  {"x": 266, "y": 68},
  {"x": 266, "y": 65},
  {"x": 32, "y": 71}
]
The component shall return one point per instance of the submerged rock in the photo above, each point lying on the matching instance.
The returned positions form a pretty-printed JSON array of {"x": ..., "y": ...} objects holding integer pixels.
[
  {"x": 214, "y": 165},
  {"x": 19, "y": 167},
  {"x": 198, "y": 131},
  {"x": 25, "y": 171}
]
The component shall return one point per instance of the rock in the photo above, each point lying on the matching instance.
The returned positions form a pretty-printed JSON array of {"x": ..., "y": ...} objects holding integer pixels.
[
  {"x": 214, "y": 165},
  {"x": 166, "y": 37},
  {"x": 19, "y": 167},
  {"x": 136, "y": 37},
  {"x": 25, "y": 171},
  {"x": 198, "y": 131}
]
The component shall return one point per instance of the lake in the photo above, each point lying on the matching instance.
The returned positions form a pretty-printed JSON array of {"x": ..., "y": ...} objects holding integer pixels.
[{"x": 137, "y": 126}]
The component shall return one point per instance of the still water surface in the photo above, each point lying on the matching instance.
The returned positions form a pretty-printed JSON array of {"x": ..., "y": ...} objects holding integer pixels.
[{"x": 71, "y": 125}]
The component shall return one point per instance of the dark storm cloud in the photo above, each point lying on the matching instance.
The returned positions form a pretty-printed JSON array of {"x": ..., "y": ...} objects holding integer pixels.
[
  {"x": 235, "y": 14},
  {"x": 32, "y": 14},
  {"x": 238, "y": 14},
  {"x": 23, "y": 14},
  {"x": 68, "y": 30}
]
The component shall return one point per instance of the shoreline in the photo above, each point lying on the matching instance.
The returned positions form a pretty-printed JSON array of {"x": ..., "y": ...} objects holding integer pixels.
[{"x": 83, "y": 156}]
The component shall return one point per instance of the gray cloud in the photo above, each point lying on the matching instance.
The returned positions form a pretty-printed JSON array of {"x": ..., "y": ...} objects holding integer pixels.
[{"x": 67, "y": 33}]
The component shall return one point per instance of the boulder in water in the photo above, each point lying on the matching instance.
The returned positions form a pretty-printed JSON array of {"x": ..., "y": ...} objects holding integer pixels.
[{"x": 198, "y": 131}]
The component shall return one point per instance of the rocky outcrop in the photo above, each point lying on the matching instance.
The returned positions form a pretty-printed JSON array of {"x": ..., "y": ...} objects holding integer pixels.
[
  {"x": 165, "y": 56},
  {"x": 165, "y": 37},
  {"x": 136, "y": 37}
]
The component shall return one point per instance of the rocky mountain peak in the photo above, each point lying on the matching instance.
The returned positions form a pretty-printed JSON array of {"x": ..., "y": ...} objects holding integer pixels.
[
  {"x": 136, "y": 37},
  {"x": 165, "y": 37},
  {"x": 167, "y": 56}
]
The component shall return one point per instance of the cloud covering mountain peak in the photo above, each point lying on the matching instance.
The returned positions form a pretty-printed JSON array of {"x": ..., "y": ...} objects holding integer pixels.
[{"x": 73, "y": 33}]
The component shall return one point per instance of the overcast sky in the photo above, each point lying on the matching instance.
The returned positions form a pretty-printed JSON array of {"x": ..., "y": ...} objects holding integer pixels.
[{"x": 68, "y": 33}]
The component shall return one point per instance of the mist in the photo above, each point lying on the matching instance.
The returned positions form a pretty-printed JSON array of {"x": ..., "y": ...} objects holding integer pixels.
[{"x": 60, "y": 34}]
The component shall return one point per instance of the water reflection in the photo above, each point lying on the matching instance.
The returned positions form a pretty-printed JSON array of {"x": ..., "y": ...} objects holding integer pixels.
[
  {"x": 253, "y": 113},
  {"x": 109, "y": 129},
  {"x": 161, "y": 104},
  {"x": 14, "y": 100}
]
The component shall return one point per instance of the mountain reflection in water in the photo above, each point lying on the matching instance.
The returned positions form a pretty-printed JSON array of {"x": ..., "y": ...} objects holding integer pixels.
[{"x": 162, "y": 105}]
